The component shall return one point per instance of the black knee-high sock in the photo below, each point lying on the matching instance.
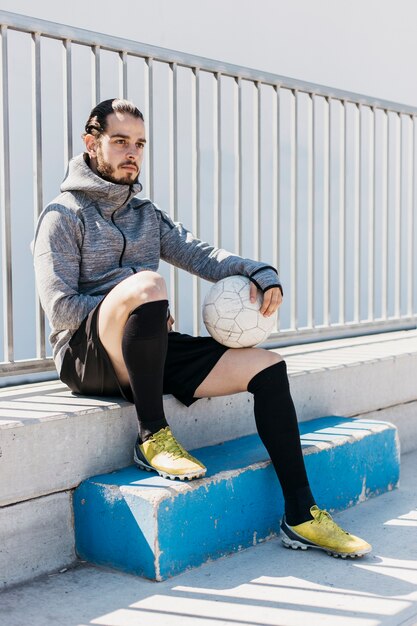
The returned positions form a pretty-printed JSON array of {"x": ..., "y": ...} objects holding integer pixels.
[
  {"x": 144, "y": 347},
  {"x": 277, "y": 425}
]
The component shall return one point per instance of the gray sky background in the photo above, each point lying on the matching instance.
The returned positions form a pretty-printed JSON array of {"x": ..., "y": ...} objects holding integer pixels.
[{"x": 365, "y": 46}]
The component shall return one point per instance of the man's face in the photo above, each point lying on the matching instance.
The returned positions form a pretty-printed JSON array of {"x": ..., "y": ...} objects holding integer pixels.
[{"x": 117, "y": 154}]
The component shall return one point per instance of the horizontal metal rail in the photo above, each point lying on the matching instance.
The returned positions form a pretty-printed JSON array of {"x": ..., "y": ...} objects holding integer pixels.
[
  {"x": 118, "y": 44},
  {"x": 317, "y": 181}
]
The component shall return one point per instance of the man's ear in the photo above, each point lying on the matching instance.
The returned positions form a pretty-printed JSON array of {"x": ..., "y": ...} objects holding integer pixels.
[{"x": 91, "y": 145}]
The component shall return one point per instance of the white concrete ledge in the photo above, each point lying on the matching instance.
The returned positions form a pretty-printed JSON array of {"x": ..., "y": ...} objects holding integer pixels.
[
  {"x": 353, "y": 376},
  {"x": 36, "y": 537},
  {"x": 404, "y": 417},
  {"x": 50, "y": 440}
]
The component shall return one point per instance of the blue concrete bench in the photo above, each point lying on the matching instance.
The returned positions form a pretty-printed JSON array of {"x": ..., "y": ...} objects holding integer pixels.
[{"x": 153, "y": 527}]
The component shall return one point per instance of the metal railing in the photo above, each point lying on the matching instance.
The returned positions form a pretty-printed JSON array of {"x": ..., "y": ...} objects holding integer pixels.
[{"x": 318, "y": 182}]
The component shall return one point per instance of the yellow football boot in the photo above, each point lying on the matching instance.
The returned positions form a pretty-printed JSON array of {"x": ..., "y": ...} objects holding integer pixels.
[
  {"x": 163, "y": 454},
  {"x": 323, "y": 533}
]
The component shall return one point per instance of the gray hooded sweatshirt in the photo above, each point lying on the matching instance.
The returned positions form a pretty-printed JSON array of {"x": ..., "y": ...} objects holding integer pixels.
[{"x": 96, "y": 233}]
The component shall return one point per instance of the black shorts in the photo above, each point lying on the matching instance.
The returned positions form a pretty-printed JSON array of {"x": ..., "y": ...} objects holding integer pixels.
[{"x": 87, "y": 369}]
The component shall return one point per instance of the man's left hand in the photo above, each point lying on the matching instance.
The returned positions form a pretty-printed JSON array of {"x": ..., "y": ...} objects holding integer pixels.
[
  {"x": 170, "y": 323},
  {"x": 271, "y": 301}
]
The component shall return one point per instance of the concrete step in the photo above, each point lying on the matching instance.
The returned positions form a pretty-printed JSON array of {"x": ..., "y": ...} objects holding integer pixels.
[
  {"x": 264, "y": 585},
  {"x": 50, "y": 440},
  {"x": 149, "y": 526},
  {"x": 36, "y": 537}
]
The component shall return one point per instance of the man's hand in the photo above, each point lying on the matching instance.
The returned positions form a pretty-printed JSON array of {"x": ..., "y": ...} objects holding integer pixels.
[
  {"x": 170, "y": 323},
  {"x": 272, "y": 299}
]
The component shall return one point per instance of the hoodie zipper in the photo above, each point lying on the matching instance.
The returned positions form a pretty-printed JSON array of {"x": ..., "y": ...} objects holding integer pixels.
[{"x": 120, "y": 231}]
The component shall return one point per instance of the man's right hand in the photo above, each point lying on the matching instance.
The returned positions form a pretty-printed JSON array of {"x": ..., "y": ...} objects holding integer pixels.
[{"x": 170, "y": 323}]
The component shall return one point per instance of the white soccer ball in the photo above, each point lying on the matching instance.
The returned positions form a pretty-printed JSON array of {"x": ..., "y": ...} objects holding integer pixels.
[{"x": 231, "y": 318}]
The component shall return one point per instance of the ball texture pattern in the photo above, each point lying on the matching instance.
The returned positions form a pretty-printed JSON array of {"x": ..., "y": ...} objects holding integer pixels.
[{"x": 231, "y": 318}]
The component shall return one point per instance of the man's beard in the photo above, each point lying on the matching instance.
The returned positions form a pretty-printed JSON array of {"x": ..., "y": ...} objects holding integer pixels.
[{"x": 106, "y": 171}]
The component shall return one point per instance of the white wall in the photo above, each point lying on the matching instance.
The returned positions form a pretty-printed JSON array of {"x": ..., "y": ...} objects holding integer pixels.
[{"x": 366, "y": 46}]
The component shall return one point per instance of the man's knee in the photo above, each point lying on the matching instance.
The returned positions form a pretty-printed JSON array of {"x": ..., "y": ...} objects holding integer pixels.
[
  {"x": 147, "y": 286},
  {"x": 273, "y": 357},
  {"x": 143, "y": 287},
  {"x": 251, "y": 361},
  {"x": 261, "y": 360},
  {"x": 266, "y": 358}
]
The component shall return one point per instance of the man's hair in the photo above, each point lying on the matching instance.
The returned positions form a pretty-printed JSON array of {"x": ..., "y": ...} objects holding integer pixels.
[{"x": 97, "y": 122}]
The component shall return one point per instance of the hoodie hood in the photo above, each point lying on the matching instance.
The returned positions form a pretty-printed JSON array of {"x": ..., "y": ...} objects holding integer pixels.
[{"x": 111, "y": 196}]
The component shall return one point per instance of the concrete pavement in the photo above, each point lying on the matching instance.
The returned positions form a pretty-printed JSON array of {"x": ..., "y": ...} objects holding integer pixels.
[{"x": 263, "y": 586}]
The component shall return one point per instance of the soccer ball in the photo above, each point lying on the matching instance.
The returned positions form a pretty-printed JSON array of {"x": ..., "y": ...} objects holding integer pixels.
[{"x": 231, "y": 318}]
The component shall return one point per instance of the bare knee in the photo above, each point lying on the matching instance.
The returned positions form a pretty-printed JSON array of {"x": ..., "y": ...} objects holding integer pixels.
[
  {"x": 236, "y": 368},
  {"x": 145, "y": 287},
  {"x": 274, "y": 357},
  {"x": 149, "y": 286},
  {"x": 262, "y": 359}
]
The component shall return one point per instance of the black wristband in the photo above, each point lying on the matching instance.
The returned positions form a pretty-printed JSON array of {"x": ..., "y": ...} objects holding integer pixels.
[
  {"x": 267, "y": 288},
  {"x": 261, "y": 269}
]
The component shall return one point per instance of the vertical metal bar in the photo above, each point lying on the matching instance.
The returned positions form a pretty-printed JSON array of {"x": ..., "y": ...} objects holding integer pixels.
[
  {"x": 311, "y": 164},
  {"x": 217, "y": 159},
  {"x": 293, "y": 210},
  {"x": 357, "y": 218},
  {"x": 384, "y": 218},
  {"x": 342, "y": 210},
  {"x": 146, "y": 113},
  {"x": 276, "y": 187},
  {"x": 410, "y": 216},
  {"x": 67, "y": 101},
  {"x": 95, "y": 70},
  {"x": 6, "y": 228},
  {"x": 257, "y": 173},
  {"x": 37, "y": 123},
  {"x": 326, "y": 215},
  {"x": 238, "y": 171},
  {"x": 414, "y": 205},
  {"x": 371, "y": 217},
  {"x": 173, "y": 140},
  {"x": 37, "y": 172},
  {"x": 397, "y": 214},
  {"x": 374, "y": 207},
  {"x": 123, "y": 74},
  {"x": 196, "y": 205},
  {"x": 150, "y": 164},
  {"x": 276, "y": 190},
  {"x": 175, "y": 136}
]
